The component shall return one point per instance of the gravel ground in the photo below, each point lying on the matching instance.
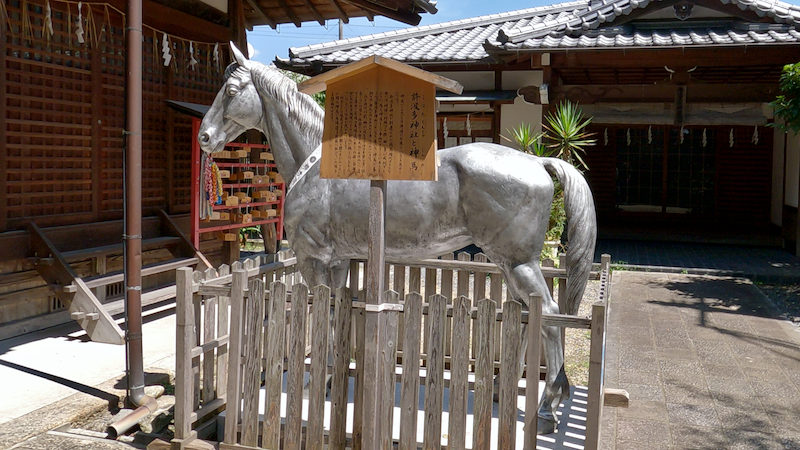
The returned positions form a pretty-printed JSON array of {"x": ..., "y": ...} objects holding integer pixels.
[{"x": 577, "y": 340}]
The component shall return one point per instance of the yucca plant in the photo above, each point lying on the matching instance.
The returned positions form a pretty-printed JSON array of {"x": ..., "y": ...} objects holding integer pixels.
[
  {"x": 526, "y": 141},
  {"x": 565, "y": 133}
]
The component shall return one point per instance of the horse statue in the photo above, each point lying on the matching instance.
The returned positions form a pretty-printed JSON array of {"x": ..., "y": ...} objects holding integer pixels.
[{"x": 489, "y": 195}]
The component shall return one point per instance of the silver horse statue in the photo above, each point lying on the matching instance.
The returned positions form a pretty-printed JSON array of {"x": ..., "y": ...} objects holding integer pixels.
[{"x": 488, "y": 195}]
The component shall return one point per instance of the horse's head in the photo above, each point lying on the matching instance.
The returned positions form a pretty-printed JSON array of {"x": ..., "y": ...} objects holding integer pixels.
[{"x": 236, "y": 109}]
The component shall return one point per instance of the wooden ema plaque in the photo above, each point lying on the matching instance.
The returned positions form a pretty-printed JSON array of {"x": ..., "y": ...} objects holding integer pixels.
[{"x": 380, "y": 120}]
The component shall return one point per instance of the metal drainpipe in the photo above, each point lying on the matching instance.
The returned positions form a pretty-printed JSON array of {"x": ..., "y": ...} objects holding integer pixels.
[{"x": 133, "y": 209}]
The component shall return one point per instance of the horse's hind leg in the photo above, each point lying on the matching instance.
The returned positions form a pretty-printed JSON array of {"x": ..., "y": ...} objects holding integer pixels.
[{"x": 526, "y": 279}]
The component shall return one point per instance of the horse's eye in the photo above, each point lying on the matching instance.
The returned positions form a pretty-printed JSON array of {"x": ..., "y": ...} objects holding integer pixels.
[{"x": 232, "y": 90}]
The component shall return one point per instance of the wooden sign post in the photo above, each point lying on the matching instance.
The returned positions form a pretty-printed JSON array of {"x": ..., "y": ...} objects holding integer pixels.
[{"x": 380, "y": 124}]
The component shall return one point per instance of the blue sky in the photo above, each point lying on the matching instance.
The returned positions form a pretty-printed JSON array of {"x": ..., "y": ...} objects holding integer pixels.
[{"x": 269, "y": 43}]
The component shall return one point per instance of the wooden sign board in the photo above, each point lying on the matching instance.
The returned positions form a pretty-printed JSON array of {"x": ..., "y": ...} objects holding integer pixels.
[{"x": 380, "y": 121}]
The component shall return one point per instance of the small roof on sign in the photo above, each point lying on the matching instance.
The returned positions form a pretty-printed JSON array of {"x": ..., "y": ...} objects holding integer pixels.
[{"x": 320, "y": 82}]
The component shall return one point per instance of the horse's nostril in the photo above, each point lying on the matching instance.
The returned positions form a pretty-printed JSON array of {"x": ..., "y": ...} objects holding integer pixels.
[{"x": 204, "y": 138}]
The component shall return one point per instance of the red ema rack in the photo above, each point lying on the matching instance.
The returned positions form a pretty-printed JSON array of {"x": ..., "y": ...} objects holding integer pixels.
[{"x": 231, "y": 151}]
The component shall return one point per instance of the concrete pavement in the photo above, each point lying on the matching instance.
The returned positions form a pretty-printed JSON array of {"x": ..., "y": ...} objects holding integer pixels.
[
  {"x": 706, "y": 362},
  {"x": 42, "y": 372}
]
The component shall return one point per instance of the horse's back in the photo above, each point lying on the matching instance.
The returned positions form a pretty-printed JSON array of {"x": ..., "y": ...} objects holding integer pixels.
[{"x": 504, "y": 196}]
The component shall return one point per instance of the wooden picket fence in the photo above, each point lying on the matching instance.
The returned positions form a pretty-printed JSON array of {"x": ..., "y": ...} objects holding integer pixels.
[{"x": 279, "y": 332}]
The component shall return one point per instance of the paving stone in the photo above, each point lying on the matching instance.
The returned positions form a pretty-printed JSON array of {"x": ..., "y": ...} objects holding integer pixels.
[
  {"x": 642, "y": 410},
  {"x": 652, "y": 432},
  {"x": 785, "y": 421},
  {"x": 753, "y": 439},
  {"x": 638, "y": 377},
  {"x": 789, "y": 442},
  {"x": 686, "y": 436},
  {"x": 687, "y": 395},
  {"x": 703, "y": 415},
  {"x": 744, "y": 417},
  {"x": 640, "y": 362},
  {"x": 645, "y": 392},
  {"x": 676, "y": 353}
]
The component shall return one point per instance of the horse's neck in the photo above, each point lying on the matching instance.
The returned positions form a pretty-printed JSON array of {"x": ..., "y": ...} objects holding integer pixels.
[{"x": 289, "y": 146}]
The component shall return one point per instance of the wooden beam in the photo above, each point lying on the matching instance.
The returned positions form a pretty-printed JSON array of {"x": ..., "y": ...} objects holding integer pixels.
[
  {"x": 289, "y": 12},
  {"x": 262, "y": 14},
  {"x": 665, "y": 93},
  {"x": 340, "y": 11},
  {"x": 616, "y": 398},
  {"x": 177, "y": 22},
  {"x": 315, "y": 12},
  {"x": 401, "y": 16},
  {"x": 686, "y": 57}
]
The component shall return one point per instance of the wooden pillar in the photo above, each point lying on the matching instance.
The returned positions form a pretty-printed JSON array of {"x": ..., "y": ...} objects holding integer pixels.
[
  {"x": 238, "y": 25},
  {"x": 170, "y": 142},
  {"x": 3, "y": 149},
  {"x": 97, "y": 127},
  {"x": 374, "y": 289},
  {"x": 797, "y": 222},
  {"x": 496, "y": 106}
]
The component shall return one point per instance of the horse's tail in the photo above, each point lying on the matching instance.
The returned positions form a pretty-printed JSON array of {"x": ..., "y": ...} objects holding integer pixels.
[{"x": 581, "y": 228}]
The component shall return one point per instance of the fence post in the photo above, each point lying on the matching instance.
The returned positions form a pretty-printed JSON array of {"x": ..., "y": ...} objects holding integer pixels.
[
  {"x": 387, "y": 339},
  {"x": 274, "y": 347},
  {"x": 534, "y": 331},
  {"x": 409, "y": 395},
  {"x": 459, "y": 368},
  {"x": 341, "y": 365},
  {"x": 594, "y": 404},
  {"x": 484, "y": 372},
  {"x": 184, "y": 381},
  {"x": 234, "y": 389},
  {"x": 509, "y": 373},
  {"x": 320, "y": 321},
  {"x": 251, "y": 364},
  {"x": 434, "y": 383},
  {"x": 295, "y": 368}
]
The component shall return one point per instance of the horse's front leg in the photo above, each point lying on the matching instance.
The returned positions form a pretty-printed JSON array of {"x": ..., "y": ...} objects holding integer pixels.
[{"x": 333, "y": 275}]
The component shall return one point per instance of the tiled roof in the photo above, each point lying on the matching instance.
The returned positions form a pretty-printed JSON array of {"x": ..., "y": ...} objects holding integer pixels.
[
  {"x": 576, "y": 24},
  {"x": 599, "y": 12},
  {"x": 621, "y": 38}
]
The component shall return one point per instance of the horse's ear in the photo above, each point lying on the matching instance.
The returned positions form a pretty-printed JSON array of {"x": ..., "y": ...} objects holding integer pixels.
[{"x": 240, "y": 58}]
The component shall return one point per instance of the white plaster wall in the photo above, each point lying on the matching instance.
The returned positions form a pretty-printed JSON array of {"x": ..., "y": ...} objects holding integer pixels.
[
  {"x": 515, "y": 79},
  {"x": 792, "y": 170},
  {"x": 776, "y": 205},
  {"x": 482, "y": 80},
  {"x": 511, "y": 115}
]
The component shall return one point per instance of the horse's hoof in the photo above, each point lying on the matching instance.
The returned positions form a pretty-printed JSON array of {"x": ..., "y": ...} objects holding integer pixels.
[{"x": 545, "y": 426}]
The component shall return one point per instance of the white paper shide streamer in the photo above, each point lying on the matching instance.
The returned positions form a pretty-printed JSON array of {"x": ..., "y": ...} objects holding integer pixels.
[
  {"x": 650, "y": 134},
  {"x": 730, "y": 139},
  {"x": 165, "y": 50},
  {"x": 445, "y": 131},
  {"x": 216, "y": 55},
  {"x": 605, "y": 137},
  {"x": 705, "y": 139},
  {"x": 48, "y": 19},
  {"x": 628, "y": 136},
  {"x": 754, "y": 140},
  {"x": 192, "y": 60},
  {"x": 682, "y": 134},
  {"x": 469, "y": 126},
  {"x": 79, "y": 26}
]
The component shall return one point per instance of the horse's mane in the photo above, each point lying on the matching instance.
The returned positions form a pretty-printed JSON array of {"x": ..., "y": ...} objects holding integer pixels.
[{"x": 306, "y": 113}]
